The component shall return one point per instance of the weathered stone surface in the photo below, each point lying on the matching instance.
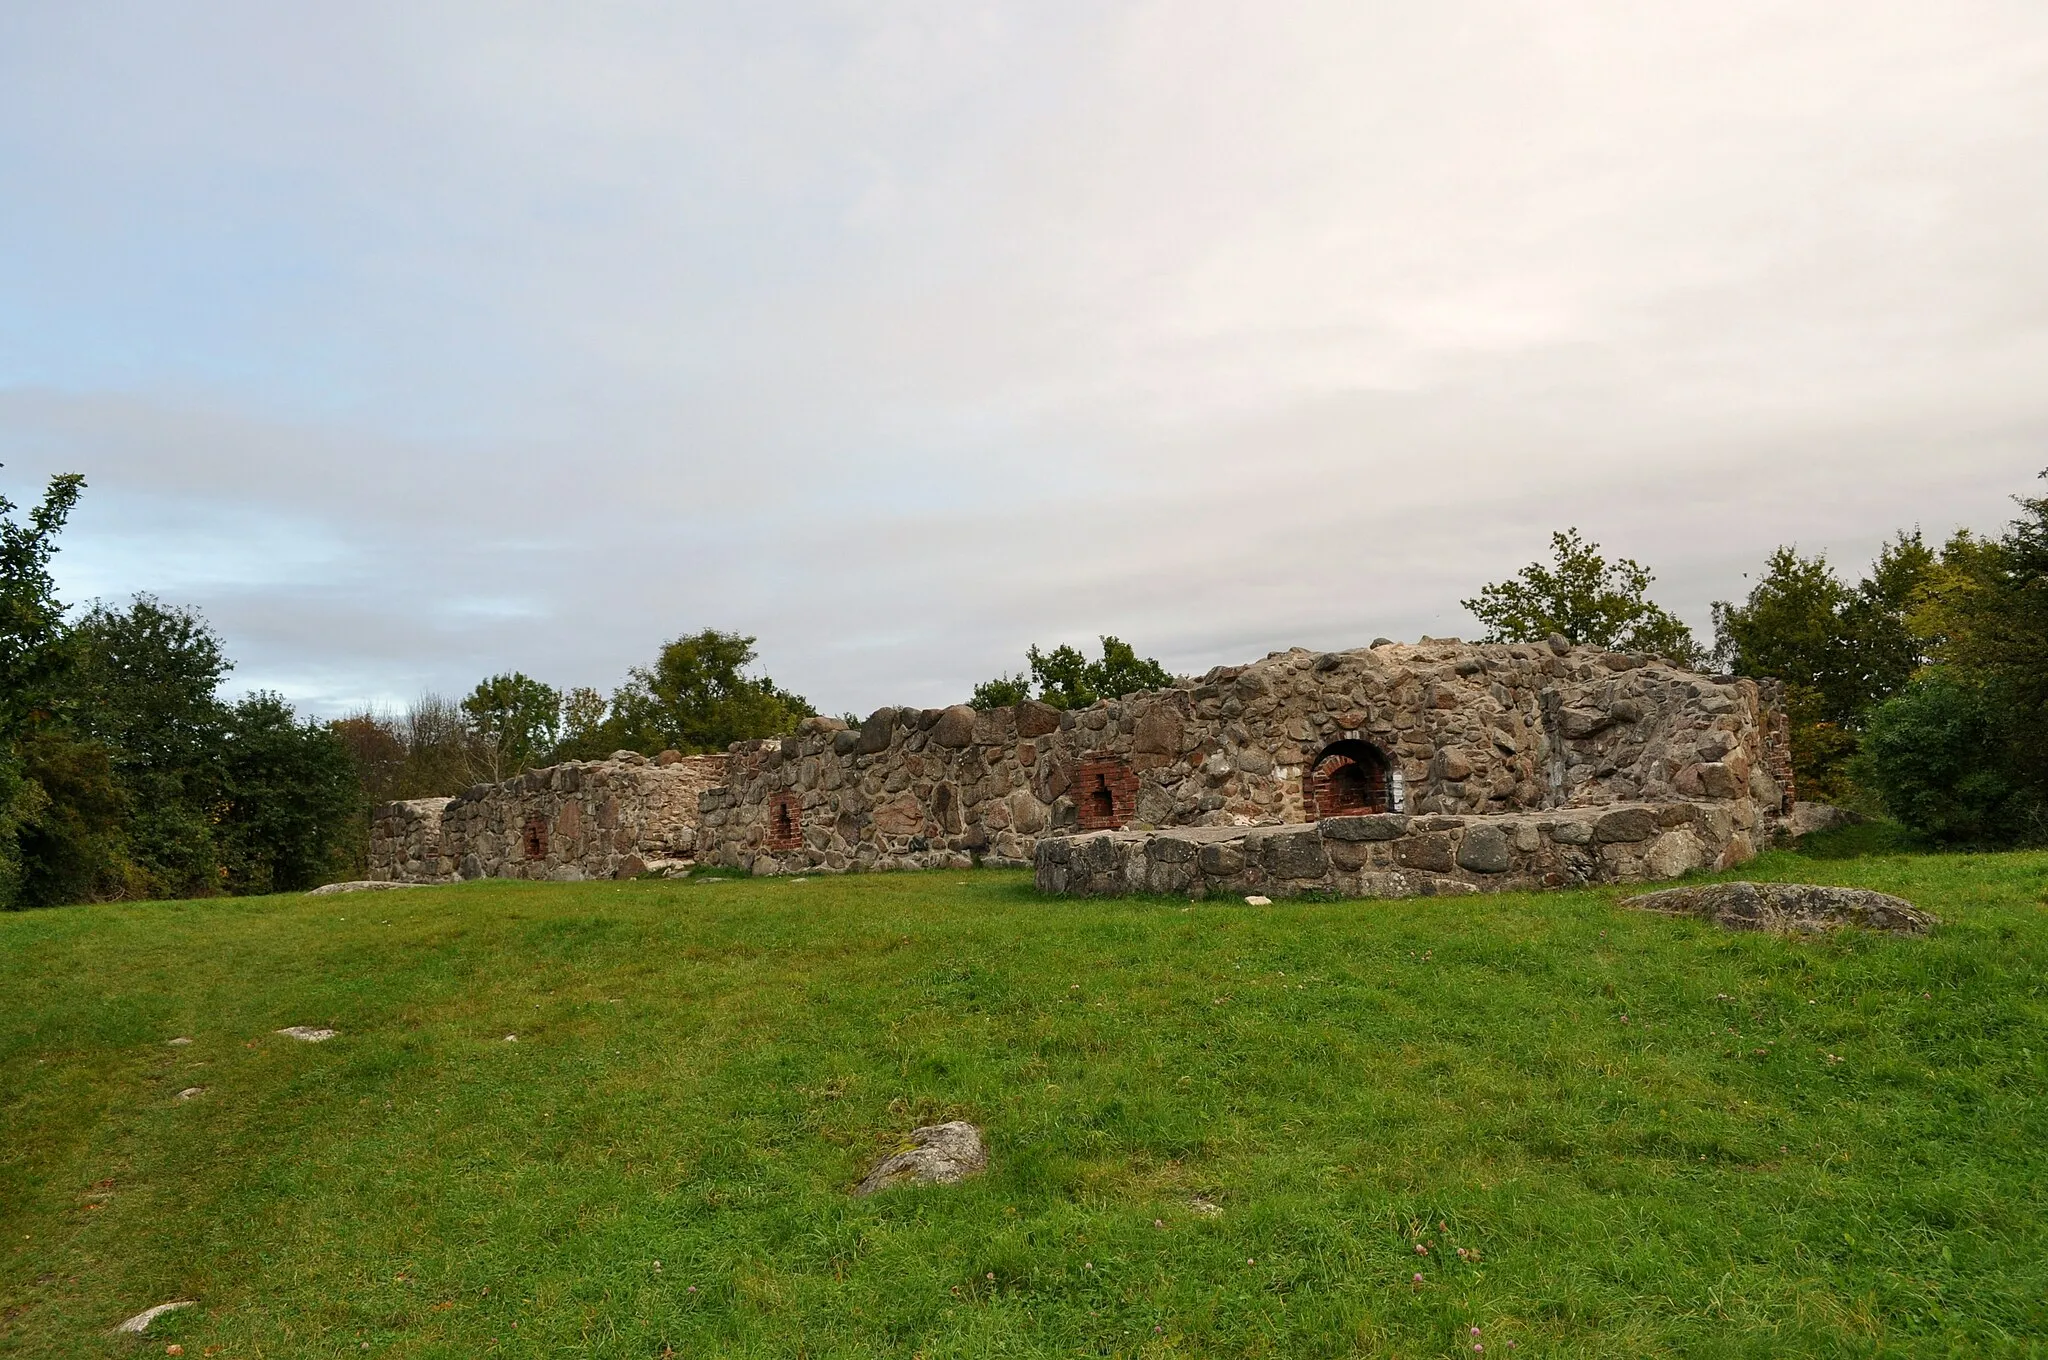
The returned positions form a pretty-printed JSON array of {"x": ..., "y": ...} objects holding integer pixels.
[
  {"x": 1485, "y": 850},
  {"x": 358, "y": 885},
  {"x": 310, "y": 1034},
  {"x": 139, "y": 1324},
  {"x": 955, "y": 728},
  {"x": 1808, "y": 818},
  {"x": 1426, "y": 856},
  {"x": 1465, "y": 732},
  {"x": 1625, "y": 825},
  {"x": 939, "y": 1154},
  {"x": 1790, "y": 908},
  {"x": 1384, "y": 826},
  {"x": 565, "y": 823}
]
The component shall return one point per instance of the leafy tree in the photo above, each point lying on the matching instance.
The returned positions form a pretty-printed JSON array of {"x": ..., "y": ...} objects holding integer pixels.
[
  {"x": 289, "y": 799},
  {"x": 515, "y": 721},
  {"x": 1001, "y": 692},
  {"x": 147, "y": 683},
  {"x": 376, "y": 747},
  {"x": 1941, "y": 756},
  {"x": 34, "y": 661},
  {"x": 696, "y": 697},
  {"x": 1586, "y": 598},
  {"x": 439, "y": 762},
  {"x": 1066, "y": 678},
  {"x": 33, "y": 655},
  {"x": 1839, "y": 649},
  {"x": 70, "y": 830},
  {"x": 1985, "y": 615}
]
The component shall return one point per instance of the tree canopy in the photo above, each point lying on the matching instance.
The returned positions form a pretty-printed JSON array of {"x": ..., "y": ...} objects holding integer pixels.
[
  {"x": 1586, "y": 598},
  {"x": 1065, "y": 678}
]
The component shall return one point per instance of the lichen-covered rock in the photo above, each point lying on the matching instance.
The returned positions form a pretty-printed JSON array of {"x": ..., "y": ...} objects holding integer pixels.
[
  {"x": 1790, "y": 908},
  {"x": 939, "y": 1154}
]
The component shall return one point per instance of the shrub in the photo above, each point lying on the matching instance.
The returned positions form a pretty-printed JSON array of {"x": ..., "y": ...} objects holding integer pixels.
[{"x": 1939, "y": 756}]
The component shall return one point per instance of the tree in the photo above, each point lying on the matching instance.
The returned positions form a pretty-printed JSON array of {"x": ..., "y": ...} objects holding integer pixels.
[
  {"x": 289, "y": 799},
  {"x": 438, "y": 760},
  {"x": 33, "y": 655},
  {"x": 1839, "y": 650},
  {"x": 34, "y": 659},
  {"x": 696, "y": 697},
  {"x": 588, "y": 732},
  {"x": 1941, "y": 756},
  {"x": 515, "y": 721},
  {"x": 1586, "y": 598},
  {"x": 1066, "y": 678},
  {"x": 1001, "y": 692},
  {"x": 146, "y": 684}
]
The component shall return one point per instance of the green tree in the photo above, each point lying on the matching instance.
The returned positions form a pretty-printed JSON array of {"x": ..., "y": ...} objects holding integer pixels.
[
  {"x": 697, "y": 697},
  {"x": 34, "y": 663},
  {"x": 1586, "y": 598},
  {"x": 588, "y": 732},
  {"x": 1838, "y": 649},
  {"x": 147, "y": 684},
  {"x": 1001, "y": 692},
  {"x": 439, "y": 757},
  {"x": 289, "y": 799},
  {"x": 71, "y": 820},
  {"x": 1066, "y": 678},
  {"x": 515, "y": 720},
  {"x": 1941, "y": 756}
]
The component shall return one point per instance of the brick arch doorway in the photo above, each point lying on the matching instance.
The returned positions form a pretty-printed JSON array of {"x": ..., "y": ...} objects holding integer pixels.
[{"x": 1350, "y": 779}]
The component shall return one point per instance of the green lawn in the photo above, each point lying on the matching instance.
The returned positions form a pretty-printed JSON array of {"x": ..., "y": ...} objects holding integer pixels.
[{"x": 1633, "y": 1126}]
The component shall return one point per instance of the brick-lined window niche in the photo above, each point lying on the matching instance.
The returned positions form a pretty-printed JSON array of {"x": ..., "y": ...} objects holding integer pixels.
[
  {"x": 1349, "y": 779},
  {"x": 1105, "y": 793},
  {"x": 785, "y": 822},
  {"x": 535, "y": 839}
]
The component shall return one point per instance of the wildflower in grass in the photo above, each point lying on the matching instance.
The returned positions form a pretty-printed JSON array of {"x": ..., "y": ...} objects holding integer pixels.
[
  {"x": 1421, "y": 1250},
  {"x": 1475, "y": 1333},
  {"x": 1418, "y": 1277}
]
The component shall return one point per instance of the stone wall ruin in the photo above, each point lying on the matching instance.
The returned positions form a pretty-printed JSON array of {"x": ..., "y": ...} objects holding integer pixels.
[
  {"x": 582, "y": 819},
  {"x": 1441, "y": 729}
]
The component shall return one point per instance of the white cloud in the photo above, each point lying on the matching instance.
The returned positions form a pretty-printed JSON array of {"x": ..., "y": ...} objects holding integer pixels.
[{"x": 427, "y": 340}]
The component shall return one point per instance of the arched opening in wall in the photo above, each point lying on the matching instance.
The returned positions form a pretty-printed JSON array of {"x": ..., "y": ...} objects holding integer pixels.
[
  {"x": 1349, "y": 779},
  {"x": 1105, "y": 793},
  {"x": 535, "y": 840},
  {"x": 785, "y": 823}
]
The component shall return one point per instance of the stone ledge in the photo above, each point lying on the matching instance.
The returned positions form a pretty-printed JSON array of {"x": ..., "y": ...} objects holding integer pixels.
[{"x": 1392, "y": 855}]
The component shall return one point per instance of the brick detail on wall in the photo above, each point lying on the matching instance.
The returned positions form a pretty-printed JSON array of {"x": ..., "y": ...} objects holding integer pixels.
[
  {"x": 785, "y": 822},
  {"x": 535, "y": 840},
  {"x": 1347, "y": 783},
  {"x": 1105, "y": 793}
]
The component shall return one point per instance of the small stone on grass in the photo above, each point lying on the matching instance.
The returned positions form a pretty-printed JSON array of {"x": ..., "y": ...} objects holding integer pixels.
[
  {"x": 138, "y": 1324},
  {"x": 309, "y": 1034}
]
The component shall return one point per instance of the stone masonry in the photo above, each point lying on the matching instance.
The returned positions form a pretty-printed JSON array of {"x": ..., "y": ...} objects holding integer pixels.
[
  {"x": 584, "y": 819},
  {"x": 1444, "y": 735}
]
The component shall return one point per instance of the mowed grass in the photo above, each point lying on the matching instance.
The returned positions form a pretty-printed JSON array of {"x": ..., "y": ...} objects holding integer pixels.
[{"x": 1649, "y": 1136}]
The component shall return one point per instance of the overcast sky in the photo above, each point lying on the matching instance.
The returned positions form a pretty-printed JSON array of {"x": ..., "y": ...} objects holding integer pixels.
[{"x": 416, "y": 341}]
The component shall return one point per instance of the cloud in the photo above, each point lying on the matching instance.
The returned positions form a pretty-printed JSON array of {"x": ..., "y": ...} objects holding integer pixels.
[{"x": 431, "y": 340}]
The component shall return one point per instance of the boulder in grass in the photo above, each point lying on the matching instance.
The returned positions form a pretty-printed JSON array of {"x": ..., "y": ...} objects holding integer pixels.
[
  {"x": 940, "y": 1154},
  {"x": 360, "y": 885},
  {"x": 139, "y": 1324},
  {"x": 1790, "y": 908}
]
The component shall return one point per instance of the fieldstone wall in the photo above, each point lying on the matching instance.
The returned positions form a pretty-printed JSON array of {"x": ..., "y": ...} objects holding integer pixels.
[
  {"x": 582, "y": 819},
  {"x": 1393, "y": 855},
  {"x": 405, "y": 843},
  {"x": 1464, "y": 731}
]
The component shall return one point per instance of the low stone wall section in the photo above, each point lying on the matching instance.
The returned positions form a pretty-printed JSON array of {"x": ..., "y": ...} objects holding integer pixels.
[
  {"x": 405, "y": 843},
  {"x": 582, "y": 819},
  {"x": 1392, "y": 855}
]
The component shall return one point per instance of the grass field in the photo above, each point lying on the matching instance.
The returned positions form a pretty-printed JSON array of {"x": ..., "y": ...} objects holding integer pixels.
[{"x": 1648, "y": 1137}]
